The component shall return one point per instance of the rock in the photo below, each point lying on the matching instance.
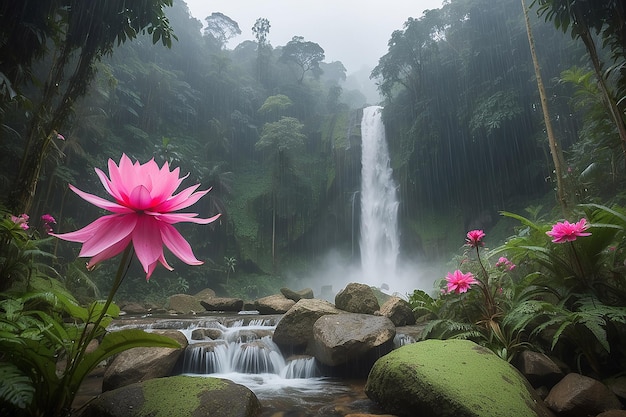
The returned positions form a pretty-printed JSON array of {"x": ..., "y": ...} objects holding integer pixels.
[
  {"x": 205, "y": 293},
  {"x": 204, "y": 334},
  {"x": 451, "y": 378},
  {"x": 409, "y": 334},
  {"x": 176, "y": 396},
  {"x": 295, "y": 328},
  {"x": 297, "y": 295},
  {"x": 273, "y": 304},
  {"x": 348, "y": 337},
  {"x": 133, "y": 308},
  {"x": 357, "y": 298},
  {"x": 184, "y": 304},
  {"x": 613, "y": 413},
  {"x": 143, "y": 363},
  {"x": 222, "y": 304},
  {"x": 538, "y": 368},
  {"x": 399, "y": 311},
  {"x": 580, "y": 396},
  {"x": 618, "y": 387}
]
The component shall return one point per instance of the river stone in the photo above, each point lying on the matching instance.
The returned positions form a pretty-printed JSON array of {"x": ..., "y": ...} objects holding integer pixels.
[
  {"x": 451, "y": 378},
  {"x": 295, "y": 328},
  {"x": 143, "y": 363},
  {"x": 346, "y": 337},
  {"x": 357, "y": 298},
  {"x": 297, "y": 295},
  {"x": 273, "y": 304},
  {"x": 176, "y": 396},
  {"x": 184, "y": 304},
  {"x": 399, "y": 311},
  {"x": 222, "y": 304},
  {"x": 580, "y": 396}
]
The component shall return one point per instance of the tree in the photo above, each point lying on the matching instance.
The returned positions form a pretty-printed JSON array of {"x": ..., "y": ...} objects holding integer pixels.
[
  {"x": 84, "y": 33},
  {"x": 555, "y": 148},
  {"x": 583, "y": 18},
  {"x": 305, "y": 55},
  {"x": 221, "y": 28},
  {"x": 279, "y": 139},
  {"x": 261, "y": 29}
]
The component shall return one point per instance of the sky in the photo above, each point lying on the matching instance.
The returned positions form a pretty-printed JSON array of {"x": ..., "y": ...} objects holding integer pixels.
[{"x": 351, "y": 31}]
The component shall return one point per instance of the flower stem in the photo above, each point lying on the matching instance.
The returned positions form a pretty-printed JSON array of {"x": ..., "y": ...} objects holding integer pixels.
[{"x": 69, "y": 385}]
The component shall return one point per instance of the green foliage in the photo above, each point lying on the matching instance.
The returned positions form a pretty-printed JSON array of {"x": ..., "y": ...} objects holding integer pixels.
[{"x": 561, "y": 298}]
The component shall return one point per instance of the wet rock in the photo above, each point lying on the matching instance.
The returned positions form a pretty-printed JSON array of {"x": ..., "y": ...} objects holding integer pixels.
[
  {"x": 184, "y": 304},
  {"x": 538, "y": 368},
  {"x": 222, "y": 304},
  {"x": 297, "y": 295},
  {"x": 203, "y": 334},
  {"x": 343, "y": 338},
  {"x": 399, "y": 311},
  {"x": 205, "y": 293},
  {"x": 357, "y": 298},
  {"x": 273, "y": 304},
  {"x": 176, "y": 396},
  {"x": 580, "y": 396},
  {"x": 143, "y": 363},
  {"x": 295, "y": 328},
  {"x": 451, "y": 378}
]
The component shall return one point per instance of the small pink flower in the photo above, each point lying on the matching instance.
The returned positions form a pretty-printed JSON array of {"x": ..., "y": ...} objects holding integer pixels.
[
  {"x": 48, "y": 219},
  {"x": 459, "y": 282},
  {"x": 474, "y": 238},
  {"x": 568, "y": 232},
  {"x": 505, "y": 263},
  {"x": 143, "y": 214},
  {"x": 60, "y": 136},
  {"x": 21, "y": 220}
]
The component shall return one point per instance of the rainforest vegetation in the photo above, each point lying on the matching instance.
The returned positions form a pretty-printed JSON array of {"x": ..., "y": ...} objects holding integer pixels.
[{"x": 274, "y": 130}]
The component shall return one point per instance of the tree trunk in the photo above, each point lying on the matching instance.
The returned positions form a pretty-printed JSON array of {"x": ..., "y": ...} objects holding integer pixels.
[{"x": 555, "y": 150}]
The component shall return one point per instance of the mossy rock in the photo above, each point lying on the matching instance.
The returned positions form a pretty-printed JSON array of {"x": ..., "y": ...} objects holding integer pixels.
[
  {"x": 451, "y": 378},
  {"x": 176, "y": 396}
]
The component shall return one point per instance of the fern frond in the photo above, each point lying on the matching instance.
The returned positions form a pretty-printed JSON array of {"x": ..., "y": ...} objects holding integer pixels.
[{"x": 15, "y": 388}]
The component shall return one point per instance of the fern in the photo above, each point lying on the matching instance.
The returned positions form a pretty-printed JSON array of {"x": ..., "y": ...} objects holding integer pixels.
[{"x": 15, "y": 388}]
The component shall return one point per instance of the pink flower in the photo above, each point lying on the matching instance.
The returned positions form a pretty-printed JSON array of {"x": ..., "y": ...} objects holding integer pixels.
[
  {"x": 143, "y": 213},
  {"x": 568, "y": 232},
  {"x": 474, "y": 238},
  {"x": 21, "y": 220},
  {"x": 459, "y": 282},
  {"x": 505, "y": 263},
  {"x": 48, "y": 219}
]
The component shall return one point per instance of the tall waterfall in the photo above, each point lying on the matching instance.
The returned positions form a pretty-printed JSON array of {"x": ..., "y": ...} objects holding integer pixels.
[{"x": 379, "y": 203}]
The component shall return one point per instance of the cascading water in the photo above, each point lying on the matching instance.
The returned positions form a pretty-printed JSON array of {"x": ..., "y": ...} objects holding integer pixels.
[{"x": 379, "y": 203}]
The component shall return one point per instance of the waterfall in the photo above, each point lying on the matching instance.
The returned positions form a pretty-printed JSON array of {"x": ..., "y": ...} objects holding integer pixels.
[{"x": 379, "y": 203}]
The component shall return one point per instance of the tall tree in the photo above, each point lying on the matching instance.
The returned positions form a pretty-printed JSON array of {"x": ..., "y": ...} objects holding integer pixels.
[
  {"x": 584, "y": 18},
  {"x": 555, "y": 148},
  {"x": 261, "y": 29},
  {"x": 305, "y": 55},
  {"x": 84, "y": 33},
  {"x": 221, "y": 28}
]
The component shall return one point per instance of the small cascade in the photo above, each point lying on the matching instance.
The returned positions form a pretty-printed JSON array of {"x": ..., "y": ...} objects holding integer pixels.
[{"x": 242, "y": 349}]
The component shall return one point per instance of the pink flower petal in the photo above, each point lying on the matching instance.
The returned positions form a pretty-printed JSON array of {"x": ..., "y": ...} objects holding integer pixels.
[
  {"x": 140, "y": 198},
  {"x": 110, "y": 252},
  {"x": 147, "y": 241},
  {"x": 101, "y": 202},
  {"x": 174, "y": 241},
  {"x": 109, "y": 233},
  {"x": 173, "y": 218}
]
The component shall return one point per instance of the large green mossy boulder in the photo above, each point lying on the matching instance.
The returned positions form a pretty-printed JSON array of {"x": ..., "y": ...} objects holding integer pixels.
[
  {"x": 176, "y": 396},
  {"x": 451, "y": 378}
]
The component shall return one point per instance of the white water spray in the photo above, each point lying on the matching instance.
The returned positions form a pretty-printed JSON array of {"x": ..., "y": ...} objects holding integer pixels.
[{"x": 379, "y": 203}]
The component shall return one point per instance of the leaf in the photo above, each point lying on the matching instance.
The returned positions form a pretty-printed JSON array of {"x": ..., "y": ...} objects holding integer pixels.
[
  {"x": 15, "y": 387},
  {"x": 116, "y": 342}
]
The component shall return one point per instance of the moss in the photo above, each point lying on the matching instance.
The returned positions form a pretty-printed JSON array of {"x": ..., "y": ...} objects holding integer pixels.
[
  {"x": 456, "y": 376},
  {"x": 163, "y": 401}
]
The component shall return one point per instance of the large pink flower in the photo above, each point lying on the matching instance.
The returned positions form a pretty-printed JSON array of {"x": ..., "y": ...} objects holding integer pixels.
[
  {"x": 568, "y": 232},
  {"x": 459, "y": 282},
  {"x": 143, "y": 213}
]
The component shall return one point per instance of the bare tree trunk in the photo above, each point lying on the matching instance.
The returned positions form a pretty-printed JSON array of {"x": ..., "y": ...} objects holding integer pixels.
[{"x": 555, "y": 150}]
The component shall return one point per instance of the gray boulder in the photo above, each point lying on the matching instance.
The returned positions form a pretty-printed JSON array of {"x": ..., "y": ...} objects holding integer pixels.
[
  {"x": 343, "y": 338},
  {"x": 539, "y": 369},
  {"x": 399, "y": 311},
  {"x": 580, "y": 396},
  {"x": 143, "y": 363},
  {"x": 451, "y": 378},
  {"x": 297, "y": 295},
  {"x": 176, "y": 396},
  {"x": 357, "y": 298},
  {"x": 295, "y": 328},
  {"x": 273, "y": 304},
  {"x": 222, "y": 304},
  {"x": 184, "y": 304}
]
